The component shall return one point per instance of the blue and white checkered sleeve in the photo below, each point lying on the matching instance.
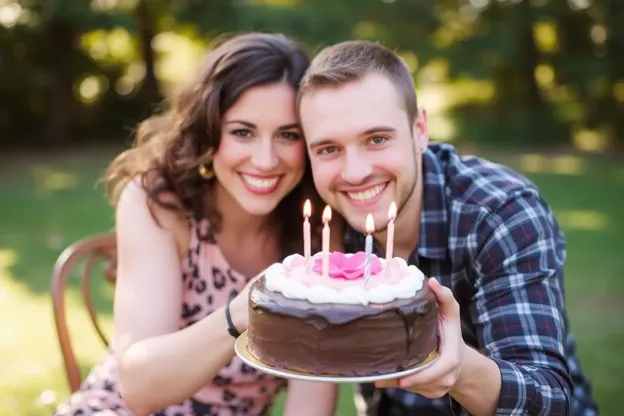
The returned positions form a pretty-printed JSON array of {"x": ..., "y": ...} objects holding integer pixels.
[{"x": 518, "y": 305}]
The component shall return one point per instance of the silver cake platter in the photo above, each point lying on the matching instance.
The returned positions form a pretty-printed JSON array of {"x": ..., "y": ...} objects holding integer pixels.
[{"x": 241, "y": 351}]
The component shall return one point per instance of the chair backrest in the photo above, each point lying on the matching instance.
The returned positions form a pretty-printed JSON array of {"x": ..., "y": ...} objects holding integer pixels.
[{"x": 100, "y": 249}]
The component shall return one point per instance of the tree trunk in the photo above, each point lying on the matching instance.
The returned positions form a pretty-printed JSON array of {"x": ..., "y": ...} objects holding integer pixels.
[
  {"x": 614, "y": 17},
  {"x": 61, "y": 38},
  {"x": 530, "y": 55},
  {"x": 146, "y": 32}
]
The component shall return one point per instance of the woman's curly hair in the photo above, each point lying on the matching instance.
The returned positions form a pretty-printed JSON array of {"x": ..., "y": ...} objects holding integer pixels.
[{"x": 169, "y": 147}]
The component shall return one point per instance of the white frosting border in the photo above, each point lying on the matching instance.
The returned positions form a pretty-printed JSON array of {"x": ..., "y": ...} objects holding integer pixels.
[{"x": 277, "y": 281}]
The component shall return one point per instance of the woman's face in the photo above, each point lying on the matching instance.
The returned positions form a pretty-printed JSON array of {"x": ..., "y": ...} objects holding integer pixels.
[{"x": 261, "y": 155}]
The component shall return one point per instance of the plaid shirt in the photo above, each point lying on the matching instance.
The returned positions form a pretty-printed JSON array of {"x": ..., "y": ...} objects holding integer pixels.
[{"x": 487, "y": 234}]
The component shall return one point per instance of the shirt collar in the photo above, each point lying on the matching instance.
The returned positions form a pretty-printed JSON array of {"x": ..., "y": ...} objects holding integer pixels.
[{"x": 433, "y": 221}]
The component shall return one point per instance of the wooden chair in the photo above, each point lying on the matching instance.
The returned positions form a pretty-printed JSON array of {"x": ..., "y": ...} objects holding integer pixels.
[{"x": 95, "y": 250}]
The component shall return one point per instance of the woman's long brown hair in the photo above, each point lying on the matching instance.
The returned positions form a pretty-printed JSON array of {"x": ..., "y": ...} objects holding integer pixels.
[{"x": 169, "y": 147}]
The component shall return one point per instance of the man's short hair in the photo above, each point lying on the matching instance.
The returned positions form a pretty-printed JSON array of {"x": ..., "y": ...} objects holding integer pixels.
[{"x": 350, "y": 61}]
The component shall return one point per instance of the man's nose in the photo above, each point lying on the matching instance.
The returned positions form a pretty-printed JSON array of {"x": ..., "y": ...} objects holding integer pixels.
[
  {"x": 356, "y": 168},
  {"x": 264, "y": 157}
]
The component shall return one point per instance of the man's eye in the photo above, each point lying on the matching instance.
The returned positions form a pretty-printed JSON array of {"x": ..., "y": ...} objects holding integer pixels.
[
  {"x": 327, "y": 150},
  {"x": 378, "y": 140},
  {"x": 241, "y": 132}
]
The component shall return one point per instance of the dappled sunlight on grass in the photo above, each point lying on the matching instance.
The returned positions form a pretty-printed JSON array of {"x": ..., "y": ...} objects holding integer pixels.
[
  {"x": 560, "y": 164},
  {"x": 587, "y": 220},
  {"x": 28, "y": 344},
  {"x": 8, "y": 258},
  {"x": 589, "y": 140},
  {"x": 49, "y": 179}
]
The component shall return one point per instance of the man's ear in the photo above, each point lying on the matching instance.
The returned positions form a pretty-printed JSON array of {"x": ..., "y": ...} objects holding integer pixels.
[{"x": 421, "y": 130}]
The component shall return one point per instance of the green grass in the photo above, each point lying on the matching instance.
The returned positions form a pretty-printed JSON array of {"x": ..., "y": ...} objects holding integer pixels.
[{"x": 49, "y": 202}]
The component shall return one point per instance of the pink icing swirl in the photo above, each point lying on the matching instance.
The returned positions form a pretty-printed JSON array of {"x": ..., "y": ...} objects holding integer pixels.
[
  {"x": 347, "y": 267},
  {"x": 296, "y": 271}
]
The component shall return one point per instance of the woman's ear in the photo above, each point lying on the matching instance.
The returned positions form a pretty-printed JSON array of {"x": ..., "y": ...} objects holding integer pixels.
[{"x": 421, "y": 130}]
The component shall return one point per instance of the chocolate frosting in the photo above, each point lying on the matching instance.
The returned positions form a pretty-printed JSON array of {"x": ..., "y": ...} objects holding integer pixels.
[{"x": 336, "y": 339}]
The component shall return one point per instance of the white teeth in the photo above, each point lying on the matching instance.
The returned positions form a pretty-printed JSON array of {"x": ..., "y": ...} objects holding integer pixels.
[
  {"x": 260, "y": 183},
  {"x": 368, "y": 194}
]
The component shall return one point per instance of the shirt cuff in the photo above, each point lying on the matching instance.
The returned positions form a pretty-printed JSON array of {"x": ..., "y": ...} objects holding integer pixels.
[{"x": 516, "y": 395}]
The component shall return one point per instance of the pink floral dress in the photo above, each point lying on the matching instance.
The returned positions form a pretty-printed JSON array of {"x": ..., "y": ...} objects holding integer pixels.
[{"x": 236, "y": 390}]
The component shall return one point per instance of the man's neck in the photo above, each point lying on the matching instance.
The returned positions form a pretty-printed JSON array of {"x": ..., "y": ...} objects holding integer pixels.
[{"x": 406, "y": 225}]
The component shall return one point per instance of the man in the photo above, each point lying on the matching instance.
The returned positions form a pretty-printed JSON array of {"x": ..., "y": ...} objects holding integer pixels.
[{"x": 482, "y": 230}]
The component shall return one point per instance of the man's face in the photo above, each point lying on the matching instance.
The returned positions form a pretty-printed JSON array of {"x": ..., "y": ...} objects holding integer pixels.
[{"x": 361, "y": 147}]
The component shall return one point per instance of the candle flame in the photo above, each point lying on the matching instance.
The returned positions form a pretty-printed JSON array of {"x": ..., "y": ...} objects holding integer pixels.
[
  {"x": 327, "y": 214},
  {"x": 307, "y": 208},
  {"x": 392, "y": 211},
  {"x": 370, "y": 224}
]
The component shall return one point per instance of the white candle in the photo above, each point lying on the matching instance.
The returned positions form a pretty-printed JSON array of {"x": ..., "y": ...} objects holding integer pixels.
[
  {"x": 390, "y": 237},
  {"x": 307, "y": 211},
  {"x": 370, "y": 228},
  {"x": 392, "y": 212},
  {"x": 327, "y": 214}
]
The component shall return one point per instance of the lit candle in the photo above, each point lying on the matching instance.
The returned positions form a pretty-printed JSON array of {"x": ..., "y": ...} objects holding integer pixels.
[
  {"x": 370, "y": 228},
  {"x": 307, "y": 211},
  {"x": 327, "y": 214}
]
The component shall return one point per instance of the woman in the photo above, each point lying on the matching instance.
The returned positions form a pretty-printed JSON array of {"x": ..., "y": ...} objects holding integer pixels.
[{"x": 210, "y": 195}]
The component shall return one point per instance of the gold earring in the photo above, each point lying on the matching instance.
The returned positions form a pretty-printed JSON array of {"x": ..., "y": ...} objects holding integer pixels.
[{"x": 205, "y": 172}]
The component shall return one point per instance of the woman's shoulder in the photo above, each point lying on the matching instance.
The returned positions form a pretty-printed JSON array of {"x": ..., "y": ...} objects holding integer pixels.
[{"x": 138, "y": 205}]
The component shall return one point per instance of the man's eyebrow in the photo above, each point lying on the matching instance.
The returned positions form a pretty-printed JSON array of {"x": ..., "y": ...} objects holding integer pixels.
[
  {"x": 320, "y": 142},
  {"x": 367, "y": 132},
  {"x": 378, "y": 129}
]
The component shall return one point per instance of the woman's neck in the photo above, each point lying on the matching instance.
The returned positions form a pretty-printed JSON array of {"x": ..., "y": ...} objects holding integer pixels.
[
  {"x": 247, "y": 242},
  {"x": 234, "y": 219}
]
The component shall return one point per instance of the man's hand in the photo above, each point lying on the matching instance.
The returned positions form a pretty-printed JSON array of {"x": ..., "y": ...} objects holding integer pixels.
[{"x": 438, "y": 379}]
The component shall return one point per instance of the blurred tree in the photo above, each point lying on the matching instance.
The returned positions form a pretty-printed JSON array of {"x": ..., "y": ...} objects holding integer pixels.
[{"x": 525, "y": 71}]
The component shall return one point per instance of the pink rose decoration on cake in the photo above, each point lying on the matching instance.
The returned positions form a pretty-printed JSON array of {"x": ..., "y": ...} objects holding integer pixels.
[{"x": 347, "y": 267}]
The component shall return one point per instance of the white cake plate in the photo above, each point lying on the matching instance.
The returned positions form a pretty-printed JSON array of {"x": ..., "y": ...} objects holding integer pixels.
[{"x": 241, "y": 351}]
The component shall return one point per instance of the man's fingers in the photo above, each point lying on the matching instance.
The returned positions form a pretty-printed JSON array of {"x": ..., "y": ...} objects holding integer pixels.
[
  {"x": 439, "y": 368},
  {"x": 443, "y": 293},
  {"x": 387, "y": 383},
  {"x": 449, "y": 308}
]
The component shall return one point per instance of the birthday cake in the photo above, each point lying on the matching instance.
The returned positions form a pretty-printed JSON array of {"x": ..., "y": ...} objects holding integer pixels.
[{"x": 362, "y": 317}]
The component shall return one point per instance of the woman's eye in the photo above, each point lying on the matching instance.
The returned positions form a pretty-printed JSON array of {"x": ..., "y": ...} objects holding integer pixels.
[
  {"x": 291, "y": 135},
  {"x": 241, "y": 133}
]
